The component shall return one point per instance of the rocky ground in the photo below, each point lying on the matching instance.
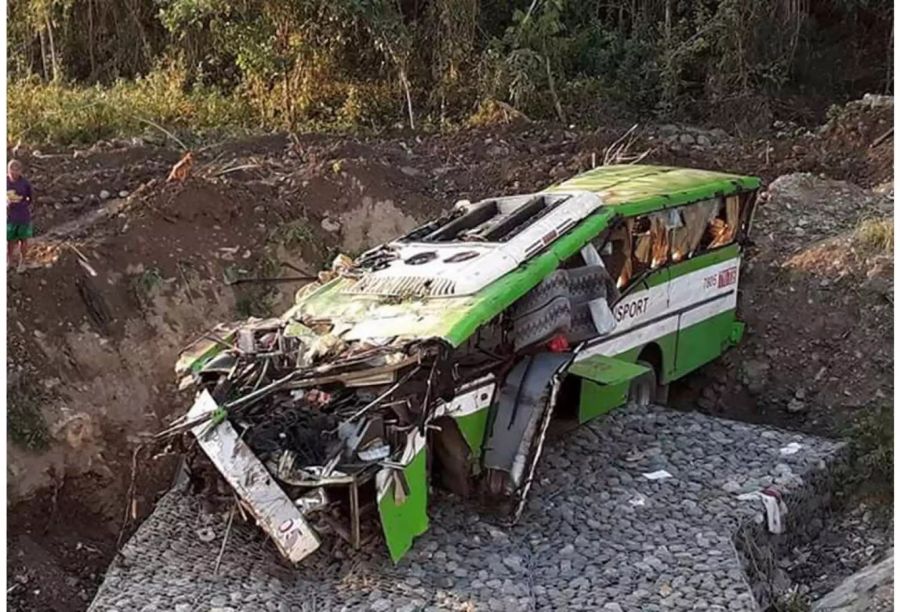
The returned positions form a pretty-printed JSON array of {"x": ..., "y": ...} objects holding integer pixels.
[
  {"x": 597, "y": 534},
  {"x": 128, "y": 268}
]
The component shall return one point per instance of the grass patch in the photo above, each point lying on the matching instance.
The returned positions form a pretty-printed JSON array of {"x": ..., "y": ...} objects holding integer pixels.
[
  {"x": 491, "y": 112},
  {"x": 872, "y": 443},
  {"x": 145, "y": 284},
  {"x": 58, "y": 113},
  {"x": 792, "y": 602},
  {"x": 24, "y": 421},
  {"x": 61, "y": 113},
  {"x": 875, "y": 235},
  {"x": 293, "y": 234}
]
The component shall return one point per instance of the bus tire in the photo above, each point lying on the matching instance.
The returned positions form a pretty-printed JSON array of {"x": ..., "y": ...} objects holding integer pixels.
[{"x": 642, "y": 391}]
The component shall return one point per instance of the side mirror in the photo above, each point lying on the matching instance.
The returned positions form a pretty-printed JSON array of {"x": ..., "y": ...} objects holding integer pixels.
[{"x": 602, "y": 316}]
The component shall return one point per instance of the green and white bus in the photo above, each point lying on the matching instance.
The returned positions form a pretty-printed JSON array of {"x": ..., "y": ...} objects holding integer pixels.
[{"x": 442, "y": 357}]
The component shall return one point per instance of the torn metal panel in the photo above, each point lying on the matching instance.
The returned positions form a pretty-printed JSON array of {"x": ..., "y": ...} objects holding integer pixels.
[
  {"x": 195, "y": 355},
  {"x": 538, "y": 444},
  {"x": 470, "y": 410},
  {"x": 605, "y": 382},
  {"x": 524, "y": 398},
  {"x": 500, "y": 233},
  {"x": 403, "y": 497},
  {"x": 606, "y": 370},
  {"x": 275, "y": 512}
]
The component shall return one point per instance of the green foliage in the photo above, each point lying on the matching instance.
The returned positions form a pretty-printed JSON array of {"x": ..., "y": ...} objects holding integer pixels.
[
  {"x": 295, "y": 233},
  {"x": 145, "y": 285},
  {"x": 876, "y": 235},
  {"x": 82, "y": 69},
  {"x": 792, "y": 601},
  {"x": 25, "y": 422},
  {"x": 872, "y": 440},
  {"x": 53, "y": 112}
]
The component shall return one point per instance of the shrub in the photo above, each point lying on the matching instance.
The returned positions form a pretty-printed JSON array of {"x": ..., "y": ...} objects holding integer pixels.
[
  {"x": 24, "y": 419},
  {"x": 876, "y": 235},
  {"x": 872, "y": 441},
  {"x": 59, "y": 113}
]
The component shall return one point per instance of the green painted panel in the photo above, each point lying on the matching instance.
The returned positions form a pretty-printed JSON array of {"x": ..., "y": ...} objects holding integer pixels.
[
  {"x": 667, "y": 345},
  {"x": 606, "y": 370},
  {"x": 636, "y": 189},
  {"x": 702, "y": 342},
  {"x": 472, "y": 426},
  {"x": 657, "y": 277},
  {"x": 737, "y": 332},
  {"x": 706, "y": 259},
  {"x": 402, "y": 523},
  {"x": 599, "y": 399}
]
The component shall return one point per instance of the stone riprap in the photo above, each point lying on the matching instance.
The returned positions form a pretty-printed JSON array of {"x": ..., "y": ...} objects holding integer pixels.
[{"x": 597, "y": 534}]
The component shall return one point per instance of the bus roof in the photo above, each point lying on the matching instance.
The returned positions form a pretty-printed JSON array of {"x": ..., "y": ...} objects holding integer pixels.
[{"x": 649, "y": 187}]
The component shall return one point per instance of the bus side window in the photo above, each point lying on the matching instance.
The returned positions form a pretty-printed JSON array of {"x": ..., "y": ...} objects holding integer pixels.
[
  {"x": 651, "y": 241},
  {"x": 616, "y": 253},
  {"x": 723, "y": 227},
  {"x": 689, "y": 236}
]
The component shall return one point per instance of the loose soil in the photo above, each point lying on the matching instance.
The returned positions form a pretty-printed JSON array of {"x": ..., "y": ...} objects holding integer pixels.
[{"x": 119, "y": 284}]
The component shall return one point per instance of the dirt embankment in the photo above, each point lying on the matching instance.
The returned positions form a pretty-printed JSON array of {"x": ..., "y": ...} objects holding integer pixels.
[
  {"x": 111, "y": 297},
  {"x": 129, "y": 268}
]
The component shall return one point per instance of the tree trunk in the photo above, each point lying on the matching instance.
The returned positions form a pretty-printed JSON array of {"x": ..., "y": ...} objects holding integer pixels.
[
  {"x": 889, "y": 77},
  {"x": 405, "y": 82},
  {"x": 668, "y": 22},
  {"x": 90, "y": 11},
  {"x": 54, "y": 63},
  {"x": 552, "y": 84},
  {"x": 43, "y": 40}
]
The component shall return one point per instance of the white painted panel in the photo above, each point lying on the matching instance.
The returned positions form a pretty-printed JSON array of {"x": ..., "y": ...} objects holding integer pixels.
[
  {"x": 704, "y": 283},
  {"x": 275, "y": 512},
  {"x": 720, "y": 279},
  {"x": 710, "y": 309},
  {"x": 470, "y": 402},
  {"x": 494, "y": 259},
  {"x": 628, "y": 341}
]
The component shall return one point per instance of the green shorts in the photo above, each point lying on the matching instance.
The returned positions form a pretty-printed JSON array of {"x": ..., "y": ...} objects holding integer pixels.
[{"x": 18, "y": 231}]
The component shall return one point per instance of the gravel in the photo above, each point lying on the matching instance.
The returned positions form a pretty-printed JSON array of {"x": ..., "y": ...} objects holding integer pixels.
[{"x": 596, "y": 534}]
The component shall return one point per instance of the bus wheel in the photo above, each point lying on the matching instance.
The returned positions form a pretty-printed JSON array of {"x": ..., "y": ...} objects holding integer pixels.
[{"x": 643, "y": 388}]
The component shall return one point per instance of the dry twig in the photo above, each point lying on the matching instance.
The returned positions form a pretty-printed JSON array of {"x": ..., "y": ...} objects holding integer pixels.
[{"x": 225, "y": 539}]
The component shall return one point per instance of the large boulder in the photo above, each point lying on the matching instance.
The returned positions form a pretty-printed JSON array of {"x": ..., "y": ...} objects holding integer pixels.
[{"x": 869, "y": 590}]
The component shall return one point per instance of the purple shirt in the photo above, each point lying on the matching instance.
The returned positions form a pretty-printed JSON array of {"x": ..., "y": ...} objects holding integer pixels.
[{"x": 18, "y": 197}]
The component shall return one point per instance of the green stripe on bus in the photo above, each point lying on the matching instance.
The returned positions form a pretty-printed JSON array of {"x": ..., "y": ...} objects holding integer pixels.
[
  {"x": 704, "y": 260},
  {"x": 472, "y": 427}
]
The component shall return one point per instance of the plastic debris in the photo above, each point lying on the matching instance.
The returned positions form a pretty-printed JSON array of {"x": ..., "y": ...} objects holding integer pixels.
[
  {"x": 657, "y": 475},
  {"x": 790, "y": 449}
]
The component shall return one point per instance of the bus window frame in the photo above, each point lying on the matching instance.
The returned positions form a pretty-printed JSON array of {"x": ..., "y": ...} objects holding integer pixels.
[{"x": 748, "y": 208}]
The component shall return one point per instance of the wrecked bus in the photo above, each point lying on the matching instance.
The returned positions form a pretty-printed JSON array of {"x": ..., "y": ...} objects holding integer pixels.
[{"x": 441, "y": 357}]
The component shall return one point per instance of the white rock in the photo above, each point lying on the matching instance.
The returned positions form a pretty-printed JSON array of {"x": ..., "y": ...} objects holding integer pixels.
[{"x": 329, "y": 225}]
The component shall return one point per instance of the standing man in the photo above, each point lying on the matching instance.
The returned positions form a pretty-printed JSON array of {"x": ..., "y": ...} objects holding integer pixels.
[{"x": 18, "y": 213}]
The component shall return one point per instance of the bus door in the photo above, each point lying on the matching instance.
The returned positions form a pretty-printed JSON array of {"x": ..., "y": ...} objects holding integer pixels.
[{"x": 636, "y": 255}]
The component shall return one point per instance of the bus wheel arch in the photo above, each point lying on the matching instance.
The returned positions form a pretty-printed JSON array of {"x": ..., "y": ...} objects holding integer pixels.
[{"x": 651, "y": 356}]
